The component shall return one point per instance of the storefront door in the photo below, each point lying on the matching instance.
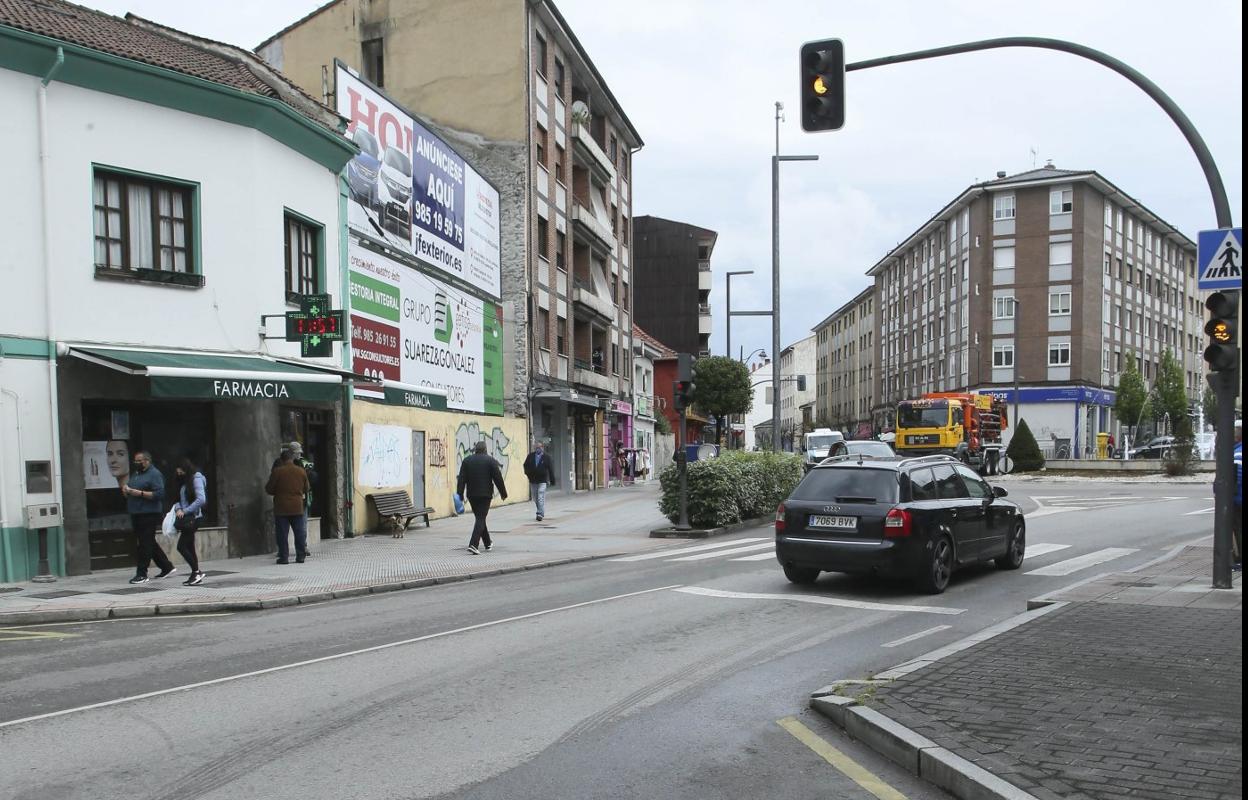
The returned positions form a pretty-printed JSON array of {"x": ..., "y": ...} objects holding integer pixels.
[{"x": 418, "y": 469}]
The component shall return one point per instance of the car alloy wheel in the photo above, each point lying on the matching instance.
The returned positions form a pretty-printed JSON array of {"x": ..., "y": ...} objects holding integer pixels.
[
  {"x": 940, "y": 566},
  {"x": 1013, "y": 558}
]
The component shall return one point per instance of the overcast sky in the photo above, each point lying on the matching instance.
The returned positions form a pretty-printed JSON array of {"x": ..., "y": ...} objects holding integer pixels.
[{"x": 699, "y": 78}]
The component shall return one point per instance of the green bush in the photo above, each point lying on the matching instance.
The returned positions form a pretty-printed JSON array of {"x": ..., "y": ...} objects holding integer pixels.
[
  {"x": 1182, "y": 455},
  {"x": 1024, "y": 451},
  {"x": 736, "y": 486}
]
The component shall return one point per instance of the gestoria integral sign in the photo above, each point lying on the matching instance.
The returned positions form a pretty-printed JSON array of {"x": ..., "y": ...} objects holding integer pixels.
[
  {"x": 407, "y": 326},
  {"x": 410, "y": 190}
]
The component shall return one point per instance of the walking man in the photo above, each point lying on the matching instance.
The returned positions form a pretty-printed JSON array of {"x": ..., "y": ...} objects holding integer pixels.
[
  {"x": 145, "y": 495},
  {"x": 478, "y": 476},
  {"x": 1237, "y": 518},
  {"x": 288, "y": 484},
  {"x": 540, "y": 471}
]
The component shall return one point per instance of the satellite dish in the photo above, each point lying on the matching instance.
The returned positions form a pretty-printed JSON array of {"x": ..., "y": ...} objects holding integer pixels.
[
  {"x": 706, "y": 451},
  {"x": 579, "y": 107}
]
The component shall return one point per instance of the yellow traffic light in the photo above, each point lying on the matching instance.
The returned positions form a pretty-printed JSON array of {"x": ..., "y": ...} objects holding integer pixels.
[
  {"x": 820, "y": 87},
  {"x": 1220, "y": 331}
]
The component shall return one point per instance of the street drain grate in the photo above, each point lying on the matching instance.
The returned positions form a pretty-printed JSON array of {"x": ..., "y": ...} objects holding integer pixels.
[
  {"x": 1135, "y": 584},
  {"x": 56, "y": 594},
  {"x": 131, "y": 590}
]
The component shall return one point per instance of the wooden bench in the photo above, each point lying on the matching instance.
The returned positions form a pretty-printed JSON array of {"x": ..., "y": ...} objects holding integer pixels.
[{"x": 396, "y": 509}]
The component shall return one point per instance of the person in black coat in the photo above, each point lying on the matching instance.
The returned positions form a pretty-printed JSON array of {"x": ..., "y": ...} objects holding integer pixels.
[
  {"x": 540, "y": 471},
  {"x": 478, "y": 476}
]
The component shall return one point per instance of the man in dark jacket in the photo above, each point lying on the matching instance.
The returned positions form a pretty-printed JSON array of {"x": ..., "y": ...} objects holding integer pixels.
[
  {"x": 145, "y": 496},
  {"x": 288, "y": 484},
  {"x": 478, "y": 476},
  {"x": 540, "y": 471}
]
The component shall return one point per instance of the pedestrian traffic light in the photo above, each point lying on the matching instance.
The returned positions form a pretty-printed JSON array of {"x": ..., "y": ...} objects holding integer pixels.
[
  {"x": 1222, "y": 328},
  {"x": 823, "y": 85}
]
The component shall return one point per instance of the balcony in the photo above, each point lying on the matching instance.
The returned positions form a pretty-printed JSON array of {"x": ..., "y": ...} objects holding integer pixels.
[
  {"x": 592, "y": 154},
  {"x": 704, "y": 309},
  {"x": 597, "y": 233},
  {"x": 585, "y": 374},
  {"x": 704, "y": 279},
  {"x": 704, "y": 324},
  {"x": 584, "y": 298}
]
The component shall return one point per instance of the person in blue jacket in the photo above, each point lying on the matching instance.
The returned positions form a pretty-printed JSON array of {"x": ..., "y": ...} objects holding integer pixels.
[
  {"x": 192, "y": 496},
  {"x": 145, "y": 497},
  {"x": 1237, "y": 517}
]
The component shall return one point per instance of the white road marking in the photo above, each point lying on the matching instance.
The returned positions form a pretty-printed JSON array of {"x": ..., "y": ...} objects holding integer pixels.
[
  {"x": 335, "y": 657},
  {"x": 1084, "y": 561},
  {"x": 1047, "y": 510},
  {"x": 1208, "y": 510},
  {"x": 918, "y": 635},
  {"x": 822, "y": 601},
  {"x": 756, "y": 557},
  {"x": 695, "y": 549},
  {"x": 749, "y": 548},
  {"x": 1043, "y": 549}
]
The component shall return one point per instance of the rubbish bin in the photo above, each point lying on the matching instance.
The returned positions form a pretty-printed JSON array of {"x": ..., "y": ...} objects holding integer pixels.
[{"x": 1102, "y": 445}]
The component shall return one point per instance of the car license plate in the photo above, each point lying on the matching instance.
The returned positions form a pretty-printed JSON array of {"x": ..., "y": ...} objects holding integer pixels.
[{"x": 836, "y": 523}]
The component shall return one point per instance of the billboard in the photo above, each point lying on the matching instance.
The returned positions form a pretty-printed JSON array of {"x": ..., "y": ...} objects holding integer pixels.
[
  {"x": 412, "y": 191},
  {"x": 408, "y": 326}
]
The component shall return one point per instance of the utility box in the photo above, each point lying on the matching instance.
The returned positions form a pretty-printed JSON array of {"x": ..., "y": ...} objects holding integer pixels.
[{"x": 47, "y": 515}]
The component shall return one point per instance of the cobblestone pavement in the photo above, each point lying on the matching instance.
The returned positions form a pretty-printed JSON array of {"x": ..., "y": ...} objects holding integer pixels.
[{"x": 1095, "y": 700}]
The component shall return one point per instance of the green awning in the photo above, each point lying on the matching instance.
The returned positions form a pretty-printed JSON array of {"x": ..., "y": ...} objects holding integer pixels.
[{"x": 220, "y": 376}]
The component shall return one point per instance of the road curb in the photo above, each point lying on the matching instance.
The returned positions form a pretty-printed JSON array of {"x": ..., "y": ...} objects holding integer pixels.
[
  {"x": 900, "y": 744},
  {"x": 703, "y": 533},
  {"x": 45, "y": 616}
]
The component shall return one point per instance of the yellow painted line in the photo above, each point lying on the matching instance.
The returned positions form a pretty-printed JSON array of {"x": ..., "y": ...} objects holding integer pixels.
[
  {"x": 846, "y": 765},
  {"x": 19, "y": 635}
]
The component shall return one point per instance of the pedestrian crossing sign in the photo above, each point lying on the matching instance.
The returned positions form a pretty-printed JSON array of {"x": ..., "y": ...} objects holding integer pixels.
[{"x": 1220, "y": 258}]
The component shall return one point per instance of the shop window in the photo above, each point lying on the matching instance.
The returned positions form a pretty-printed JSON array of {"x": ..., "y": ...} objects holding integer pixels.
[
  {"x": 303, "y": 257},
  {"x": 145, "y": 228},
  {"x": 374, "y": 62}
]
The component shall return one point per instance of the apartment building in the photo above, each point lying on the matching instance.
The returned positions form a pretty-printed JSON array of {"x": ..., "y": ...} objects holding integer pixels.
[
  {"x": 1037, "y": 287},
  {"x": 845, "y": 367},
  {"x": 673, "y": 282},
  {"x": 797, "y": 399},
  {"x": 553, "y": 139}
]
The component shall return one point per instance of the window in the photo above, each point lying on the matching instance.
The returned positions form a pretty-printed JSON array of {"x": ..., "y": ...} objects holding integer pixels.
[
  {"x": 559, "y": 77},
  {"x": 1059, "y": 303},
  {"x": 561, "y": 335},
  {"x": 1003, "y": 307},
  {"x": 1061, "y": 201},
  {"x": 560, "y": 157},
  {"x": 543, "y": 238},
  {"x": 539, "y": 56},
  {"x": 1003, "y": 206},
  {"x": 1059, "y": 354},
  {"x": 1003, "y": 258},
  {"x": 539, "y": 141},
  {"x": 614, "y": 149},
  {"x": 561, "y": 249},
  {"x": 143, "y": 224},
  {"x": 704, "y": 252},
  {"x": 1105, "y": 360},
  {"x": 1108, "y": 260},
  {"x": 1003, "y": 355},
  {"x": 543, "y": 329},
  {"x": 1059, "y": 254},
  {"x": 372, "y": 57},
  {"x": 303, "y": 246}
]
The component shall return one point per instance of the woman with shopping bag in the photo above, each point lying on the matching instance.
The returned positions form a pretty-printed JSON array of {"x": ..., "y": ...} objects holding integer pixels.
[{"x": 189, "y": 510}]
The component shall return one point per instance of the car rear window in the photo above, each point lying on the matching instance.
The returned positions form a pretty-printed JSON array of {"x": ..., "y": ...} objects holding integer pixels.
[{"x": 847, "y": 484}]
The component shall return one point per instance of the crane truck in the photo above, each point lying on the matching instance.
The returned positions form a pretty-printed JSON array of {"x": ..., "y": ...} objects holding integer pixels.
[{"x": 967, "y": 426}]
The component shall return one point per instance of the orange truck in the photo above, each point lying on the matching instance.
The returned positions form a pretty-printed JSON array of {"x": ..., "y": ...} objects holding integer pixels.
[{"x": 967, "y": 426}]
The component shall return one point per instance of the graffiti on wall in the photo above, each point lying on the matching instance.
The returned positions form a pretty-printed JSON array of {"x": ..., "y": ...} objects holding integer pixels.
[
  {"x": 437, "y": 453},
  {"x": 496, "y": 444}
]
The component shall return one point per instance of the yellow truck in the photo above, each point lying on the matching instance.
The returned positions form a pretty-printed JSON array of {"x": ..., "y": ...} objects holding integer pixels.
[{"x": 967, "y": 426}]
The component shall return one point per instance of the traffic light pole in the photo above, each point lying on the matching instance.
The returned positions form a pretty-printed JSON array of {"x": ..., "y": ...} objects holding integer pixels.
[
  {"x": 682, "y": 456},
  {"x": 1226, "y": 382}
]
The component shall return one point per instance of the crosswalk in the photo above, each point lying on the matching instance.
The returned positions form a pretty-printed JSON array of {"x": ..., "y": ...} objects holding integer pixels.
[
  {"x": 1057, "y": 504},
  {"x": 762, "y": 548}
]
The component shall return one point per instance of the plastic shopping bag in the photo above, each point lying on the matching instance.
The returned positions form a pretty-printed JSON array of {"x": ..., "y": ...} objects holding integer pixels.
[
  {"x": 168, "y": 527},
  {"x": 459, "y": 503}
]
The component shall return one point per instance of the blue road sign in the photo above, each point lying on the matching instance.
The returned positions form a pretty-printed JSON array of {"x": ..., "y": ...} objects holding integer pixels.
[{"x": 1220, "y": 259}]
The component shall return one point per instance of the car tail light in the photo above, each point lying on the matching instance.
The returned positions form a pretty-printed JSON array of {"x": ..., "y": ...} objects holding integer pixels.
[
  {"x": 897, "y": 523},
  {"x": 780, "y": 518}
]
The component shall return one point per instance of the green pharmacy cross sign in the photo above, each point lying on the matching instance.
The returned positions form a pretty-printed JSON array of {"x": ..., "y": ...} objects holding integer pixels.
[{"x": 315, "y": 326}]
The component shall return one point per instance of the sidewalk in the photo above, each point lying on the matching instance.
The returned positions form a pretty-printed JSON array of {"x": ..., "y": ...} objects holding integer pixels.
[
  {"x": 577, "y": 528},
  {"x": 1128, "y": 685}
]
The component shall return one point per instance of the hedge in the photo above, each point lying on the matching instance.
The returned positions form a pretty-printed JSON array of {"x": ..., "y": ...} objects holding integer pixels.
[{"x": 736, "y": 486}]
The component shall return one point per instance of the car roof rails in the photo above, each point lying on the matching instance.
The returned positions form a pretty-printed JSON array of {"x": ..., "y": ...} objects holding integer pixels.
[
  {"x": 932, "y": 457},
  {"x": 856, "y": 457}
]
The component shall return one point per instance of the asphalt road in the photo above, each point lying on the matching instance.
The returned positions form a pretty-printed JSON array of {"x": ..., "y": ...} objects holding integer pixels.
[{"x": 680, "y": 673}]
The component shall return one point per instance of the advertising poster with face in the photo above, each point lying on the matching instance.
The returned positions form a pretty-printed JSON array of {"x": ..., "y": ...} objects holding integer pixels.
[
  {"x": 96, "y": 473},
  {"x": 412, "y": 191},
  {"x": 408, "y": 326}
]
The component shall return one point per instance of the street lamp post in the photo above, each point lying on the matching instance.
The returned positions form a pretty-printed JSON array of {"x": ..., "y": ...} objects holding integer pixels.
[
  {"x": 775, "y": 277},
  {"x": 728, "y": 303}
]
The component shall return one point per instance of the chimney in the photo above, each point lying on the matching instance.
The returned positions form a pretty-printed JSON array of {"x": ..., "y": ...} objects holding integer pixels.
[
  {"x": 1000, "y": 173},
  {"x": 1048, "y": 164}
]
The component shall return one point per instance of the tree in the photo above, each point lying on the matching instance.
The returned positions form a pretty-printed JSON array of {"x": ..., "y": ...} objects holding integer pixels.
[
  {"x": 722, "y": 387},
  {"x": 1209, "y": 402},
  {"x": 1131, "y": 395},
  {"x": 1023, "y": 450},
  {"x": 1170, "y": 390}
]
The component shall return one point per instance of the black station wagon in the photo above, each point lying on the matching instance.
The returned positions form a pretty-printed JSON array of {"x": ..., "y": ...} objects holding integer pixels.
[{"x": 917, "y": 517}]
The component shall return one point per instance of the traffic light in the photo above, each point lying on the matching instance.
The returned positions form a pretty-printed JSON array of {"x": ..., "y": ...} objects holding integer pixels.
[
  {"x": 682, "y": 393},
  {"x": 1223, "y": 351},
  {"x": 823, "y": 85}
]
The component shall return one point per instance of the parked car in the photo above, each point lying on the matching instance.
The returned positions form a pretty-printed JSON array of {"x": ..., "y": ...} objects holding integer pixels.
[
  {"x": 1157, "y": 447},
  {"x": 394, "y": 192},
  {"x": 921, "y": 518},
  {"x": 362, "y": 170},
  {"x": 869, "y": 447}
]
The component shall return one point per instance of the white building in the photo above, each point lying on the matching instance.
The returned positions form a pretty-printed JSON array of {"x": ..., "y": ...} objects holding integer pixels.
[
  {"x": 760, "y": 412},
  {"x": 797, "y": 361},
  {"x": 645, "y": 349},
  {"x": 159, "y": 213}
]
